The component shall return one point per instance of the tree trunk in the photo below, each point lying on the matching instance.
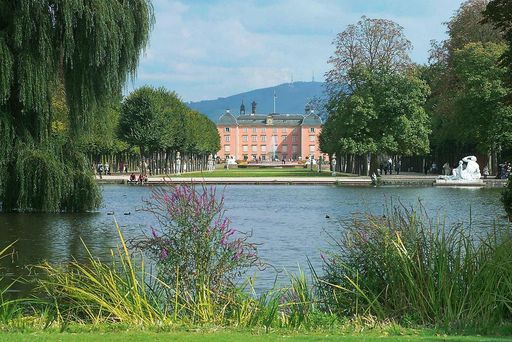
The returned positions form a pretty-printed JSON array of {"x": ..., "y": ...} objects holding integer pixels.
[{"x": 374, "y": 164}]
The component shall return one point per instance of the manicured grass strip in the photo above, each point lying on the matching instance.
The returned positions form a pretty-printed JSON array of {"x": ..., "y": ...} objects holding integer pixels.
[
  {"x": 227, "y": 337},
  {"x": 263, "y": 173}
]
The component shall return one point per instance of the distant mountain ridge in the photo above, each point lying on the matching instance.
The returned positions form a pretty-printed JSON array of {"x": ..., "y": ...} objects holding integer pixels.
[{"x": 291, "y": 98}]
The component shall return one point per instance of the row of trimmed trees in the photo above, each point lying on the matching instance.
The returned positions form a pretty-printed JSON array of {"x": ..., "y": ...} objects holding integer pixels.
[
  {"x": 160, "y": 125},
  {"x": 381, "y": 105},
  {"x": 145, "y": 131}
]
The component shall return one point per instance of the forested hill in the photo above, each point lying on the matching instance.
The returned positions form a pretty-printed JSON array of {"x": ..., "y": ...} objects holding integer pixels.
[{"x": 291, "y": 98}]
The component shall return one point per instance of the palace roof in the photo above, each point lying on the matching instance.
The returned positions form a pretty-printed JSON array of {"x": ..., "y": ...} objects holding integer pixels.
[{"x": 277, "y": 120}]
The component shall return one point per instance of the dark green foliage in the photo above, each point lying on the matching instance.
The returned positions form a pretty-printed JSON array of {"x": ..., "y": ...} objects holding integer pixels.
[
  {"x": 506, "y": 198},
  {"x": 384, "y": 114},
  {"x": 499, "y": 13},
  {"x": 60, "y": 60},
  {"x": 459, "y": 68},
  {"x": 478, "y": 100}
]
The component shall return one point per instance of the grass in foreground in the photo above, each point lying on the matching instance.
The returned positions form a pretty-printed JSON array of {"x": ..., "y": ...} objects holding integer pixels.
[
  {"x": 264, "y": 172},
  {"x": 357, "y": 330}
]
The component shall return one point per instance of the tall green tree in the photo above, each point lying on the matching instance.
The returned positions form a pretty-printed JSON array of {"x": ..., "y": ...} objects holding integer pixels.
[
  {"x": 465, "y": 27},
  {"x": 142, "y": 122},
  {"x": 499, "y": 14},
  {"x": 384, "y": 114},
  {"x": 89, "y": 47},
  {"x": 376, "y": 99},
  {"x": 372, "y": 44},
  {"x": 483, "y": 120}
]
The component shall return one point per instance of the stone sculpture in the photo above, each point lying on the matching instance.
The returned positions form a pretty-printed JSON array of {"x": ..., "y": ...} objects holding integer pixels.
[{"x": 468, "y": 170}]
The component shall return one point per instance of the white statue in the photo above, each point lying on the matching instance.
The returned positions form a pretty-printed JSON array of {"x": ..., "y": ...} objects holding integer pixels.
[
  {"x": 230, "y": 161},
  {"x": 468, "y": 169},
  {"x": 210, "y": 165},
  {"x": 334, "y": 164},
  {"x": 178, "y": 163}
]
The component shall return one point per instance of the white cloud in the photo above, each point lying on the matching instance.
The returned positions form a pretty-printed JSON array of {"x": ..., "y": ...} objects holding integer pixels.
[{"x": 210, "y": 49}]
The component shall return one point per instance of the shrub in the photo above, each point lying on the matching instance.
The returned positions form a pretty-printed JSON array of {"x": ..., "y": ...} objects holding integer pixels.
[
  {"x": 506, "y": 198},
  {"x": 404, "y": 266},
  {"x": 196, "y": 252}
]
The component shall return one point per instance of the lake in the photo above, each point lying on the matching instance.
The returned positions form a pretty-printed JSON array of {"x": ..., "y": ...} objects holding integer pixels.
[{"x": 291, "y": 223}]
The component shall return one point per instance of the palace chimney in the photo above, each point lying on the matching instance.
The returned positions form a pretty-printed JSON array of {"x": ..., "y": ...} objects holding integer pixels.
[{"x": 253, "y": 104}]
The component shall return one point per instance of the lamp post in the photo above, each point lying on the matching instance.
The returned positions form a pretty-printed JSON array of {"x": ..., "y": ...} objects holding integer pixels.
[
  {"x": 311, "y": 161},
  {"x": 320, "y": 160}
]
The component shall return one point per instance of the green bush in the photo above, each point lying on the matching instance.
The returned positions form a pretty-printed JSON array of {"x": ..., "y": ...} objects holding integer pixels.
[
  {"x": 506, "y": 198},
  {"x": 406, "y": 267}
]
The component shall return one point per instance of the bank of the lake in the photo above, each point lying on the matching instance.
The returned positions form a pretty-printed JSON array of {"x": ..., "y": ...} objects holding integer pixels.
[{"x": 278, "y": 176}]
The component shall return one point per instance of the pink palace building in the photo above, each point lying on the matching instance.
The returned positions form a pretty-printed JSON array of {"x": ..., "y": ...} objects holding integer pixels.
[{"x": 260, "y": 137}]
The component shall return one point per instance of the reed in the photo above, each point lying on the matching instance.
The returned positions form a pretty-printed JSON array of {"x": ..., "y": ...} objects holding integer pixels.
[
  {"x": 97, "y": 292},
  {"x": 407, "y": 267},
  {"x": 10, "y": 308}
]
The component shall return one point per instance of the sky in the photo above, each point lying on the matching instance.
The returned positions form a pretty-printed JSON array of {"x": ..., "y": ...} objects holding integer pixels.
[{"x": 206, "y": 49}]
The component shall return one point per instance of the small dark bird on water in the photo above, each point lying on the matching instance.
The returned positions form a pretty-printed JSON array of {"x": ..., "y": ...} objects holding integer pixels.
[
  {"x": 327, "y": 216},
  {"x": 110, "y": 213},
  {"x": 127, "y": 213}
]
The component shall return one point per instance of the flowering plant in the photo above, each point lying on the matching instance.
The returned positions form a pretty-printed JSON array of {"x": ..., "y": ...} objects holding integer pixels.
[{"x": 194, "y": 245}]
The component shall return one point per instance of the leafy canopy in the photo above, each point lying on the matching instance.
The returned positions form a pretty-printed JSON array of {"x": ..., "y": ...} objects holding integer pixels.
[{"x": 82, "y": 51}]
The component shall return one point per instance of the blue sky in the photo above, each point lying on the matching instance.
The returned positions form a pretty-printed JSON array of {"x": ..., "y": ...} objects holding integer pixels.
[{"x": 205, "y": 49}]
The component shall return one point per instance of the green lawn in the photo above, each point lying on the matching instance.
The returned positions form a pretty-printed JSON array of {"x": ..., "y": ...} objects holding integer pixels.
[
  {"x": 263, "y": 172},
  {"x": 228, "y": 336}
]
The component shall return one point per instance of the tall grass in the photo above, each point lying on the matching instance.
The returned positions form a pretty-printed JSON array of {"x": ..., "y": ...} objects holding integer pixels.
[
  {"x": 404, "y": 266},
  {"x": 9, "y": 308},
  {"x": 98, "y": 292}
]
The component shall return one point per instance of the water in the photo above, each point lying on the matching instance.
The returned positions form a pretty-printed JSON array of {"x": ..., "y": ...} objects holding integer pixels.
[{"x": 291, "y": 223}]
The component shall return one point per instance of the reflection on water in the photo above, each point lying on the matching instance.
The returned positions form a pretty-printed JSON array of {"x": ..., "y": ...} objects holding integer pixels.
[{"x": 290, "y": 222}]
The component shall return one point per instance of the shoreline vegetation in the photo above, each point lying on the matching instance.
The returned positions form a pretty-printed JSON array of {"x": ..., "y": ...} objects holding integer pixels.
[{"x": 400, "y": 276}]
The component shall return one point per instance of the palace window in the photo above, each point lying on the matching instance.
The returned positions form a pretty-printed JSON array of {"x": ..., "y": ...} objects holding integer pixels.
[
  {"x": 254, "y": 129},
  {"x": 264, "y": 130},
  {"x": 274, "y": 129},
  {"x": 294, "y": 131},
  {"x": 226, "y": 138},
  {"x": 285, "y": 149},
  {"x": 227, "y": 148},
  {"x": 254, "y": 148},
  {"x": 312, "y": 138},
  {"x": 294, "y": 149},
  {"x": 284, "y": 130},
  {"x": 263, "y": 148},
  {"x": 263, "y": 138},
  {"x": 294, "y": 138},
  {"x": 254, "y": 138},
  {"x": 226, "y": 129},
  {"x": 284, "y": 138},
  {"x": 244, "y": 138},
  {"x": 245, "y": 129},
  {"x": 311, "y": 148},
  {"x": 312, "y": 129},
  {"x": 245, "y": 148}
]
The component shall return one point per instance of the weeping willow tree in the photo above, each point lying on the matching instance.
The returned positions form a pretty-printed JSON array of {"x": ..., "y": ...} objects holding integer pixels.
[{"x": 86, "y": 48}]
